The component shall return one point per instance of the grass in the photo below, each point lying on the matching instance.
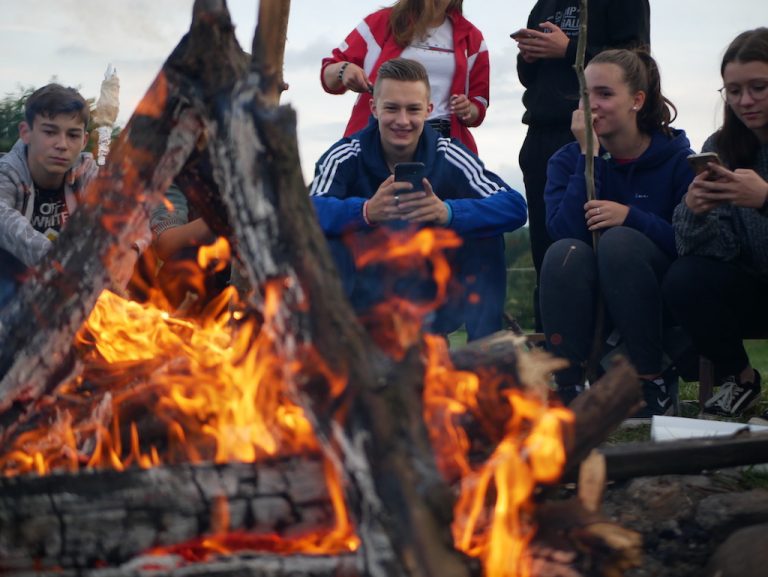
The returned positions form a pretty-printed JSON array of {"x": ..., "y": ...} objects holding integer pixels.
[{"x": 758, "y": 356}]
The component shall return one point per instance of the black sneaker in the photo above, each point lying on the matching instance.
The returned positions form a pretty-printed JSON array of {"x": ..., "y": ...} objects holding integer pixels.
[
  {"x": 659, "y": 400},
  {"x": 733, "y": 398}
]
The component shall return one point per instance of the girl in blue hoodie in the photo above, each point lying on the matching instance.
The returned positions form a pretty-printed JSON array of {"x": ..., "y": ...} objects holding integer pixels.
[{"x": 641, "y": 174}]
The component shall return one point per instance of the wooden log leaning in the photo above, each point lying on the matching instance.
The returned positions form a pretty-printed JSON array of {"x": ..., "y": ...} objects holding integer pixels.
[
  {"x": 601, "y": 409},
  {"x": 391, "y": 480},
  {"x": 38, "y": 325}
]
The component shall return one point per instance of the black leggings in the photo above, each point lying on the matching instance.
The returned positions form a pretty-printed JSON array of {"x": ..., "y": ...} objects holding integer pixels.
[
  {"x": 718, "y": 304},
  {"x": 627, "y": 271}
]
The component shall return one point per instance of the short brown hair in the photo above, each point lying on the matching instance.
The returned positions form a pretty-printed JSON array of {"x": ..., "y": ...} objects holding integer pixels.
[
  {"x": 54, "y": 99},
  {"x": 403, "y": 70}
]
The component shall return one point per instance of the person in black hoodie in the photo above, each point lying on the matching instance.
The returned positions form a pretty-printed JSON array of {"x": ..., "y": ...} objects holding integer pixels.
[{"x": 545, "y": 67}]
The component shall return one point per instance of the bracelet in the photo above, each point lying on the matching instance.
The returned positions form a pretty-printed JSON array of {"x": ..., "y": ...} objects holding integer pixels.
[
  {"x": 365, "y": 215},
  {"x": 341, "y": 72}
]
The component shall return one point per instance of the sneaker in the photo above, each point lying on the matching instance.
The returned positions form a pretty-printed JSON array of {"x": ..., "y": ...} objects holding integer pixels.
[
  {"x": 733, "y": 398},
  {"x": 761, "y": 419},
  {"x": 659, "y": 397}
]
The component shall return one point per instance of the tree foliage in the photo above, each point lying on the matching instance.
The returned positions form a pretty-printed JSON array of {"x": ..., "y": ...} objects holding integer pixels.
[{"x": 11, "y": 113}]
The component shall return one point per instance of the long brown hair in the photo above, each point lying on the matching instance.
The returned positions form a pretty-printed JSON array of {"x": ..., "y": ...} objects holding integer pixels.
[
  {"x": 410, "y": 18},
  {"x": 736, "y": 144},
  {"x": 642, "y": 73}
]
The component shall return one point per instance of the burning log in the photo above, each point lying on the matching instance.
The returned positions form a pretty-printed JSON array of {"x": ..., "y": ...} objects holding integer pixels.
[{"x": 79, "y": 521}]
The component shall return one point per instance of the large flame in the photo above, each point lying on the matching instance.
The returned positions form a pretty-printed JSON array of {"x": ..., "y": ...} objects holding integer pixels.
[
  {"x": 219, "y": 388},
  {"x": 492, "y": 514}
]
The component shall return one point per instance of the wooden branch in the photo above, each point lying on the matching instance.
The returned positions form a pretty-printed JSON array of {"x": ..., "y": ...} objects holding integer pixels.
[
  {"x": 589, "y": 176},
  {"x": 688, "y": 456},
  {"x": 37, "y": 327},
  {"x": 256, "y": 163},
  {"x": 601, "y": 409},
  {"x": 269, "y": 47},
  {"x": 581, "y": 49}
]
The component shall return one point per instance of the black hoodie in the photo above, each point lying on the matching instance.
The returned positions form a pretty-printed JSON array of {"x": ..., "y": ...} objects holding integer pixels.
[{"x": 552, "y": 88}]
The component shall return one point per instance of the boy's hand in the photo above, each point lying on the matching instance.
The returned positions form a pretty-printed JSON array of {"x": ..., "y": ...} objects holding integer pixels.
[
  {"x": 385, "y": 204},
  {"x": 423, "y": 207}
]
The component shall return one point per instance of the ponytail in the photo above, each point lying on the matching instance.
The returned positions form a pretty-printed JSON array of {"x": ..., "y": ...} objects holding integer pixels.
[{"x": 641, "y": 73}]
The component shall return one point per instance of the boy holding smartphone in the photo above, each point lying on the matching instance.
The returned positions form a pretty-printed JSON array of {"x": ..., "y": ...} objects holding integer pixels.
[{"x": 355, "y": 192}]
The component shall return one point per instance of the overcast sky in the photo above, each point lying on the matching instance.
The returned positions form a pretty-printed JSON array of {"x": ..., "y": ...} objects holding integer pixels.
[{"x": 75, "y": 40}]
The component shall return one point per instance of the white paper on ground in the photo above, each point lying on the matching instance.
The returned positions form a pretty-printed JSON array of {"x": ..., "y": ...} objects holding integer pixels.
[{"x": 672, "y": 428}]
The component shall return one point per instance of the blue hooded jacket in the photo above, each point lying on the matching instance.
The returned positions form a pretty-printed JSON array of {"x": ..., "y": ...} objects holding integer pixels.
[
  {"x": 651, "y": 185},
  {"x": 352, "y": 170}
]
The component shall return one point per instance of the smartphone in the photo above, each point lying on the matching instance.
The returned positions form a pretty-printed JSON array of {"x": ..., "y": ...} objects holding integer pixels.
[
  {"x": 522, "y": 33},
  {"x": 698, "y": 162},
  {"x": 411, "y": 172}
]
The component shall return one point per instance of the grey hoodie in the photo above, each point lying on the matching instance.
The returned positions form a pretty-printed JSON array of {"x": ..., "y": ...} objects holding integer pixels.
[
  {"x": 17, "y": 201},
  {"x": 729, "y": 233}
]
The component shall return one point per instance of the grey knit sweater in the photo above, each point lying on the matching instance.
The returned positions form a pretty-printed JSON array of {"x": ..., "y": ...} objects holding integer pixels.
[{"x": 728, "y": 233}]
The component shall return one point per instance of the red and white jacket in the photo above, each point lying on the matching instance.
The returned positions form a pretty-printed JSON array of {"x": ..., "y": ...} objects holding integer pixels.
[{"x": 372, "y": 43}]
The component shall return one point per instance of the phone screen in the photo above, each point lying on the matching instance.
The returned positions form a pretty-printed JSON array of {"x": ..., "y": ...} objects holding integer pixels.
[{"x": 411, "y": 172}]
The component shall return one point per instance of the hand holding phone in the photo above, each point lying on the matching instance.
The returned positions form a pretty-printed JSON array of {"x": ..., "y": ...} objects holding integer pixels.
[
  {"x": 522, "y": 33},
  {"x": 700, "y": 163},
  {"x": 412, "y": 172}
]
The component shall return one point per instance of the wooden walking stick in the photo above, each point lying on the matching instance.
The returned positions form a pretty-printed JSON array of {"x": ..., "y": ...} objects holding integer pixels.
[{"x": 589, "y": 175}]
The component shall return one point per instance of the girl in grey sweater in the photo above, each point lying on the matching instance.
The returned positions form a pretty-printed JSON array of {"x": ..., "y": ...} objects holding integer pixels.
[{"x": 717, "y": 289}]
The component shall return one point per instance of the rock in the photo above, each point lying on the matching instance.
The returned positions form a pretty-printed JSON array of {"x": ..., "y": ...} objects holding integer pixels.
[{"x": 744, "y": 554}]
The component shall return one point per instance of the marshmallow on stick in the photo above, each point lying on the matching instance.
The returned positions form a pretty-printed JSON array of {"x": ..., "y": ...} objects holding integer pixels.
[{"x": 105, "y": 115}]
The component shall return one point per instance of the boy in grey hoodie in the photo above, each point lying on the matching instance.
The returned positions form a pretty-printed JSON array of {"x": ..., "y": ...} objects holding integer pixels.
[
  {"x": 45, "y": 171},
  {"x": 40, "y": 179}
]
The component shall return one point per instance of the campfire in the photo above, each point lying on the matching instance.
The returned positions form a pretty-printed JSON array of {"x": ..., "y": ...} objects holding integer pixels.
[{"x": 136, "y": 438}]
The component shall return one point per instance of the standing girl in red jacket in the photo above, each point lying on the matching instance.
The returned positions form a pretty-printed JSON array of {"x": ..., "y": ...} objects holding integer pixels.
[{"x": 433, "y": 32}]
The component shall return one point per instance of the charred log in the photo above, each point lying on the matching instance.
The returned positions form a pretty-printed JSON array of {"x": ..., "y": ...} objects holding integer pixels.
[{"x": 102, "y": 518}]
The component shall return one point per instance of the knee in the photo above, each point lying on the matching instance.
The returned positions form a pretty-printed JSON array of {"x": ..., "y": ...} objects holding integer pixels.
[
  {"x": 566, "y": 261},
  {"x": 619, "y": 244},
  {"x": 567, "y": 253}
]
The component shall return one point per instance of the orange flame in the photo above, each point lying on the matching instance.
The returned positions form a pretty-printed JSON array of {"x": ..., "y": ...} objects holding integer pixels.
[
  {"x": 530, "y": 451},
  {"x": 398, "y": 320},
  {"x": 219, "y": 387},
  {"x": 215, "y": 255}
]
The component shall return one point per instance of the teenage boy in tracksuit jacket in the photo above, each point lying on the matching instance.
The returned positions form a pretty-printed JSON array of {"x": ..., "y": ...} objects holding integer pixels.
[
  {"x": 354, "y": 194},
  {"x": 545, "y": 67}
]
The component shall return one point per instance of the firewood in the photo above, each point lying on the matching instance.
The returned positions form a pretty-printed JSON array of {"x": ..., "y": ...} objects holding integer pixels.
[
  {"x": 601, "y": 409},
  {"x": 685, "y": 456},
  {"x": 98, "y": 517}
]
